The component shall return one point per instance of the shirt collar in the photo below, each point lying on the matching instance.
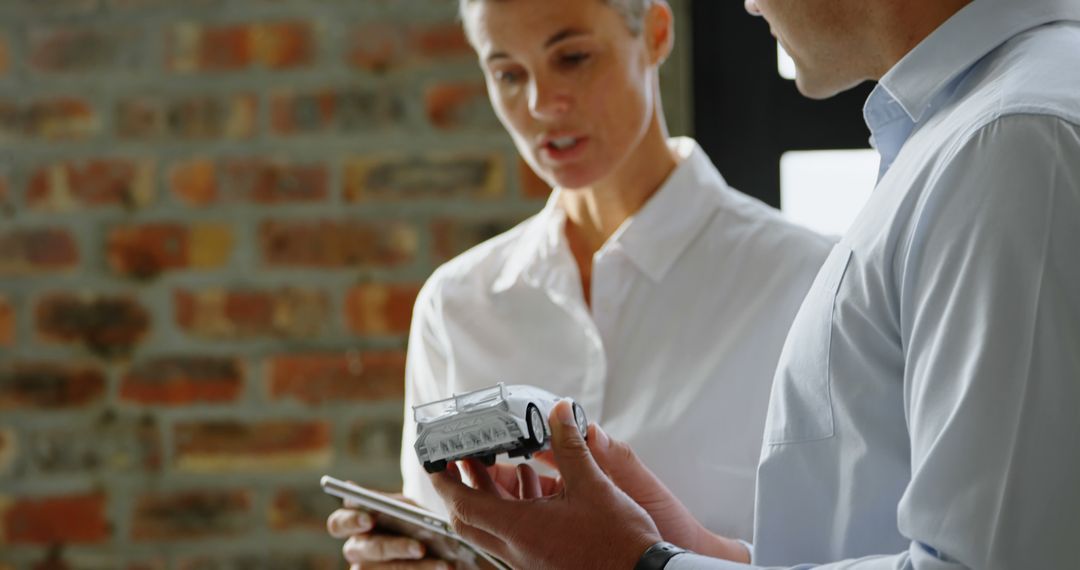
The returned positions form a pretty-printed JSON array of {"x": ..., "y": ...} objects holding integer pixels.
[
  {"x": 917, "y": 83},
  {"x": 652, "y": 239}
]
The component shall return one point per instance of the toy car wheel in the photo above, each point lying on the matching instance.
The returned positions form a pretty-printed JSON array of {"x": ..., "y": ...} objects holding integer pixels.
[
  {"x": 487, "y": 459},
  {"x": 435, "y": 466},
  {"x": 581, "y": 421},
  {"x": 535, "y": 421}
]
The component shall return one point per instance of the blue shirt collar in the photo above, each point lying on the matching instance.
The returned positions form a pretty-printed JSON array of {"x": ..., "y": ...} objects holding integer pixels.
[{"x": 926, "y": 76}]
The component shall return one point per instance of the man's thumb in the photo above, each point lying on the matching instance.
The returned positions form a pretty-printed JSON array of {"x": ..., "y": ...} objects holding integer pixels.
[
  {"x": 572, "y": 455},
  {"x": 625, "y": 469}
]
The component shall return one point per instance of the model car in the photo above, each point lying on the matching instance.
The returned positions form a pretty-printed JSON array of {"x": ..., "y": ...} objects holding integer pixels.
[{"x": 486, "y": 422}]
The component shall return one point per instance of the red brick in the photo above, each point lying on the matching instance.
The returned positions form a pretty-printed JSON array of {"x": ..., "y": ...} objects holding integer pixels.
[
  {"x": 177, "y": 381},
  {"x": 5, "y": 59},
  {"x": 271, "y": 181},
  {"x": 49, "y": 386},
  {"x": 335, "y": 110},
  {"x": 187, "y": 118},
  {"x": 92, "y": 183},
  {"x": 532, "y": 186},
  {"x": 454, "y": 236},
  {"x": 276, "y": 45},
  {"x": 73, "y": 519},
  {"x": 146, "y": 250},
  {"x": 326, "y": 378},
  {"x": 440, "y": 41},
  {"x": 74, "y": 49},
  {"x": 336, "y": 244},
  {"x": 375, "y": 47},
  {"x": 194, "y": 182},
  {"x": 380, "y": 309},
  {"x": 252, "y": 180},
  {"x": 5, "y": 194},
  {"x": 417, "y": 177},
  {"x": 8, "y": 322},
  {"x": 246, "y": 314},
  {"x": 379, "y": 47},
  {"x": 34, "y": 251},
  {"x": 107, "y": 445},
  {"x": 55, "y": 119},
  {"x": 191, "y": 514},
  {"x": 459, "y": 105},
  {"x": 263, "y": 560},
  {"x": 59, "y": 7},
  {"x": 106, "y": 325},
  {"x": 9, "y": 451},
  {"x": 303, "y": 508},
  {"x": 220, "y": 446},
  {"x": 376, "y": 440}
]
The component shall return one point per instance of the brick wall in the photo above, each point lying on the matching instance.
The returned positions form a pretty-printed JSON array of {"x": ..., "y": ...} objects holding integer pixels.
[{"x": 214, "y": 218}]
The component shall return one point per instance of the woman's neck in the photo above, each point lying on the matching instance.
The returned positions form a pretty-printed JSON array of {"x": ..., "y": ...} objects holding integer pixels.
[{"x": 594, "y": 214}]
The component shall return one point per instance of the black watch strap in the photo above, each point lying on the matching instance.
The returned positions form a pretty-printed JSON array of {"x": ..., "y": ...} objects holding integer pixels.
[{"x": 658, "y": 555}]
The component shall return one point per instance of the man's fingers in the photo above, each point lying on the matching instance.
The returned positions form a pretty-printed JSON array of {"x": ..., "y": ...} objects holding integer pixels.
[
  {"x": 547, "y": 458},
  {"x": 624, "y": 468},
  {"x": 528, "y": 483},
  {"x": 505, "y": 476},
  {"x": 344, "y": 523},
  {"x": 480, "y": 477},
  {"x": 479, "y": 509},
  {"x": 575, "y": 461},
  {"x": 428, "y": 564},
  {"x": 365, "y": 548},
  {"x": 485, "y": 540}
]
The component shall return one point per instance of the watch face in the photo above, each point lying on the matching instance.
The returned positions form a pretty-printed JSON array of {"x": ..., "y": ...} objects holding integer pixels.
[{"x": 658, "y": 555}]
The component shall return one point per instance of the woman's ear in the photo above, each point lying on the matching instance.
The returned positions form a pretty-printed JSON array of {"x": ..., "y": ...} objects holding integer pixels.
[{"x": 659, "y": 31}]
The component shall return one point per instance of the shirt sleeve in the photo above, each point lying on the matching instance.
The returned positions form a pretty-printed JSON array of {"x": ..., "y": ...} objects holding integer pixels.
[
  {"x": 989, "y": 288},
  {"x": 426, "y": 379}
]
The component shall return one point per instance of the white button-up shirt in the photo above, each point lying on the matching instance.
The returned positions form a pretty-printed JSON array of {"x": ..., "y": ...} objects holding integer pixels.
[
  {"x": 925, "y": 412},
  {"x": 691, "y": 300}
]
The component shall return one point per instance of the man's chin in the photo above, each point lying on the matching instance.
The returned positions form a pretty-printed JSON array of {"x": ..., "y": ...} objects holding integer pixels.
[{"x": 819, "y": 89}]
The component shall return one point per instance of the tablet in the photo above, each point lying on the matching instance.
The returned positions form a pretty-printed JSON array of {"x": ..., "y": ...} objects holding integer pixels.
[{"x": 398, "y": 517}]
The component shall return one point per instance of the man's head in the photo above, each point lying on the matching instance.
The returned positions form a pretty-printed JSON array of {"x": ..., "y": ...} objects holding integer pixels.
[
  {"x": 574, "y": 82},
  {"x": 837, "y": 44}
]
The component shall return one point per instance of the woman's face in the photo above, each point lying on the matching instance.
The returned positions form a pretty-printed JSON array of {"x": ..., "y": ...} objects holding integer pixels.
[{"x": 569, "y": 82}]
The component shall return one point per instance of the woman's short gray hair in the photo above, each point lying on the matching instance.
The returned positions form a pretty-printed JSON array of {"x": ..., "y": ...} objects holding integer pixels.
[{"x": 633, "y": 11}]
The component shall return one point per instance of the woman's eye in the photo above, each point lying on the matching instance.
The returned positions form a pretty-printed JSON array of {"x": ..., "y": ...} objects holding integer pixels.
[
  {"x": 507, "y": 77},
  {"x": 576, "y": 58}
]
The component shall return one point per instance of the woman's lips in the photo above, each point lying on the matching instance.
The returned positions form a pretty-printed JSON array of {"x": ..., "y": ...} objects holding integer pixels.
[{"x": 563, "y": 149}]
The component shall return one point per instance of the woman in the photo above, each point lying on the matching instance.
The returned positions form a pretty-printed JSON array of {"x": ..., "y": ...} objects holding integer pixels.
[{"x": 647, "y": 289}]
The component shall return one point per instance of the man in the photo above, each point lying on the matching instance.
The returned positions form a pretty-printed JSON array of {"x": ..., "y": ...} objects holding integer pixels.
[{"x": 923, "y": 414}]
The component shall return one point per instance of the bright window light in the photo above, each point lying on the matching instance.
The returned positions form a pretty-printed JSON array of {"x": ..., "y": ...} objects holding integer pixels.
[
  {"x": 784, "y": 64},
  {"x": 825, "y": 189}
]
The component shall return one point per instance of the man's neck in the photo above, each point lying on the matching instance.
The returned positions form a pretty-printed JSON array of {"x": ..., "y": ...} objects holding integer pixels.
[{"x": 905, "y": 24}]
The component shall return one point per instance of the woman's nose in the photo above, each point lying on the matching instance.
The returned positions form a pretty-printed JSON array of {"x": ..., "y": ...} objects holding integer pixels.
[
  {"x": 752, "y": 7},
  {"x": 547, "y": 101}
]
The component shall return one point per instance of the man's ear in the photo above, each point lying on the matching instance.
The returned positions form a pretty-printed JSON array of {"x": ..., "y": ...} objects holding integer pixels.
[{"x": 659, "y": 31}]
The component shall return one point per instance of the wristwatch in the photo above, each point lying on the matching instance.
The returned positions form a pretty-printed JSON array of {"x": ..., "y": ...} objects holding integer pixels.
[{"x": 658, "y": 555}]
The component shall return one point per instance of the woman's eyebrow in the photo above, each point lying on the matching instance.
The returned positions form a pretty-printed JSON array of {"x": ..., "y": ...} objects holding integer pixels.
[{"x": 557, "y": 37}]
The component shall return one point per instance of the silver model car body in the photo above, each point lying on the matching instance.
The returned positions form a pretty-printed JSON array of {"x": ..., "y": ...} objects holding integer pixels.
[{"x": 486, "y": 422}]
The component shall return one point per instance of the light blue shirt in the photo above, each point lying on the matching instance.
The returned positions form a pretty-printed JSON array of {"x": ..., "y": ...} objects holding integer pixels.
[{"x": 926, "y": 411}]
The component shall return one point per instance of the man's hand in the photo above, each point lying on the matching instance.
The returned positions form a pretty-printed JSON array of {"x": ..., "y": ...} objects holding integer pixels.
[
  {"x": 369, "y": 551},
  {"x": 587, "y": 523},
  {"x": 674, "y": 521}
]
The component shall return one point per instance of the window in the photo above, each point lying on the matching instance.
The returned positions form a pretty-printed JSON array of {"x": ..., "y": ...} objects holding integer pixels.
[{"x": 825, "y": 189}]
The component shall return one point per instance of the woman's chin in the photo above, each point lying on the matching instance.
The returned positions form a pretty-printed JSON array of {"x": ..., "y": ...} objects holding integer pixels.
[{"x": 573, "y": 180}]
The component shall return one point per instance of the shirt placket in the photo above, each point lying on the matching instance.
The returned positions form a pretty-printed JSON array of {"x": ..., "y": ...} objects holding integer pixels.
[
  {"x": 609, "y": 289},
  {"x": 561, "y": 286}
]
